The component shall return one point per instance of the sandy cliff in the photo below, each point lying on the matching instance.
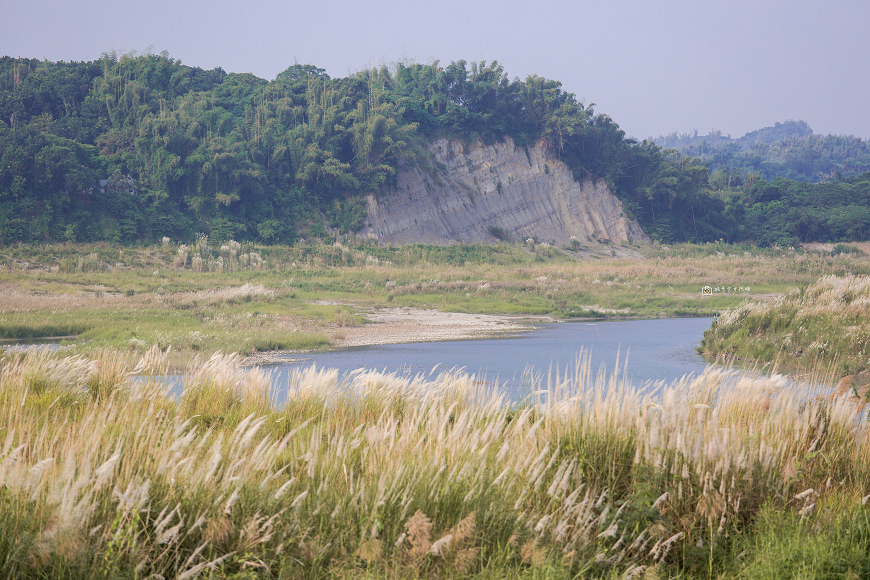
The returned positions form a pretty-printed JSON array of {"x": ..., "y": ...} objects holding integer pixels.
[{"x": 462, "y": 192}]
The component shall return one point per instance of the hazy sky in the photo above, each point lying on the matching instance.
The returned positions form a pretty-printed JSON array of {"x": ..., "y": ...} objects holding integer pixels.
[{"x": 654, "y": 66}]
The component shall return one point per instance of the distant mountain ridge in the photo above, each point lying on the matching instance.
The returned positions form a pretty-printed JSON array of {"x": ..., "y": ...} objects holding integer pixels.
[
  {"x": 769, "y": 135},
  {"x": 788, "y": 149},
  {"x": 779, "y": 132}
]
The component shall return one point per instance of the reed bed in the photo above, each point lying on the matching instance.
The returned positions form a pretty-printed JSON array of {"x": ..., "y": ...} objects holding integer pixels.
[
  {"x": 379, "y": 475},
  {"x": 822, "y": 324}
]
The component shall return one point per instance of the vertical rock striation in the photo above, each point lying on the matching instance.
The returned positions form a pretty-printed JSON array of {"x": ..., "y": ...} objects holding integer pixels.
[{"x": 475, "y": 193}]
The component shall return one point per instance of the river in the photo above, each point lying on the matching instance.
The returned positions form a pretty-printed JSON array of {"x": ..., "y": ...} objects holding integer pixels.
[{"x": 647, "y": 350}]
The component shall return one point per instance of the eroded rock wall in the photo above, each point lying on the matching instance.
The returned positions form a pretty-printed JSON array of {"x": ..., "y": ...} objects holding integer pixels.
[{"x": 463, "y": 192}]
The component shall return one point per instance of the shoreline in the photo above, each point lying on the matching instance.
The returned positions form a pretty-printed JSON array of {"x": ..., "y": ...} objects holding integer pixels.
[
  {"x": 406, "y": 325},
  {"x": 861, "y": 378},
  {"x": 403, "y": 325}
]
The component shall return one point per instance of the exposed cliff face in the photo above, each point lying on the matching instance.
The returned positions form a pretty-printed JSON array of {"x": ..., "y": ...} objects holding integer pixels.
[{"x": 467, "y": 191}]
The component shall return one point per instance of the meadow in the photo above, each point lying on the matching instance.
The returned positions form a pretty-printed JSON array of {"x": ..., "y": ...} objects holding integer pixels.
[
  {"x": 824, "y": 323},
  {"x": 235, "y": 297},
  {"x": 102, "y": 475},
  {"x": 105, "y": 475}
]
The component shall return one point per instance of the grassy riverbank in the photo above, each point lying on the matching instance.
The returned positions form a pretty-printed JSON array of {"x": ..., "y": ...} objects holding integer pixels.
[
  {"x": 102, "y": 476},
  {"x": 825, "y": 324},
  {"x": 241, "y": 298}
]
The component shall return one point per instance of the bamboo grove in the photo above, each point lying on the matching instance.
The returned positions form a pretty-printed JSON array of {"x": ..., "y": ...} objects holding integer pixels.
[{"x": 133, "y": 148}]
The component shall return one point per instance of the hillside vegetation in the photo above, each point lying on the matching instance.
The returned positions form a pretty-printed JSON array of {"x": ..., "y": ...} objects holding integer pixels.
[
  {"x": 133, "y": 148},
  {"x": 789, "y": 150},
  {"x": 185, "y": 150}
]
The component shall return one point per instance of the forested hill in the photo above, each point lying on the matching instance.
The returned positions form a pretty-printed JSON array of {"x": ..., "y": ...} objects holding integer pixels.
[
  {"x": 788, "y": 149},
  {"x": 132, "y": 148}
]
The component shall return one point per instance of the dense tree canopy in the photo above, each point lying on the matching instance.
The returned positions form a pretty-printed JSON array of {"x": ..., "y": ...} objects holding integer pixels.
[
  {"x": 789, "y": 149},
  {"x": 131, "y": 148}
]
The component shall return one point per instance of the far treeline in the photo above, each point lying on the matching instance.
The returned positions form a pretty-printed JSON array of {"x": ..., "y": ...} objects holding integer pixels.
[
  {"x": 133, "y": 148},
  {"x": 789, "y": 149}
]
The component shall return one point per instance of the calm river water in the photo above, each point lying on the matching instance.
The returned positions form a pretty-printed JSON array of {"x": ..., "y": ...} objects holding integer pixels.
[{"x": 648, "y": 350}]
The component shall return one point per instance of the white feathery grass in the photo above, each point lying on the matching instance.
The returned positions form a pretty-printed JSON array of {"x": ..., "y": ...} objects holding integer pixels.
[{"x": 376, "y": 441}]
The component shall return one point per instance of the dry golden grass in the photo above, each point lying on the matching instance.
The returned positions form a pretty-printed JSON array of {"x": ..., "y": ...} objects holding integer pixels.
[
  {"x": 822, "y": 324},
  {"x": 429, "y": 476}
]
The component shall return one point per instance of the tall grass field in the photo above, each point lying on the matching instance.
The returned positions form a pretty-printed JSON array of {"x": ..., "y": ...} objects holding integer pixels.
[
  {"x": 103, "y": 475},
  {"x": 824, "y": 323},
  {"x": 237, "y": 297}
]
